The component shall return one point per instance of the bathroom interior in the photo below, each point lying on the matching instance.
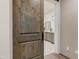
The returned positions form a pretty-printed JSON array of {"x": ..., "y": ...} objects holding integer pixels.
[{"x": 50, "y": 31}]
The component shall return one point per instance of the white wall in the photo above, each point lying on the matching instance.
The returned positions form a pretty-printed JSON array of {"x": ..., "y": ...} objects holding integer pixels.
[
  {"x": 68, "y": 32},
  {"x": 5, "y": 29}
]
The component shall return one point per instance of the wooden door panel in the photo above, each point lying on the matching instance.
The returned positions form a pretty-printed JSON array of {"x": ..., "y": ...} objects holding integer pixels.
[
  {"x": 29, "y": 37},
  {"x": 30, "y": 16},
  {"x": 27, "y": 29},
  {"x": 29, "y": 50}
]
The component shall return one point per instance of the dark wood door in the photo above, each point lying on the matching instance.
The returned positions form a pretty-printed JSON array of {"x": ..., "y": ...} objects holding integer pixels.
[{"x": 28, "y": 29}]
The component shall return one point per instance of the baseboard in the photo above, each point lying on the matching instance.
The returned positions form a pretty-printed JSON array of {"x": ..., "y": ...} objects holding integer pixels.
[{"x": 64, "y": 56}]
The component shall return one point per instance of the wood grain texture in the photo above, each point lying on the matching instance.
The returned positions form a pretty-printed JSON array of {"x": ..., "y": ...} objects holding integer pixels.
[
  {"x": 27, "y": 29},
  {"x": 29, "y": 50},
  {"x": 30, "y": 18}
]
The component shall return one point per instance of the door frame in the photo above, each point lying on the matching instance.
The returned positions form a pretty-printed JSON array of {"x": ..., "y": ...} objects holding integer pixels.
[{"x": 57, "y": 28}]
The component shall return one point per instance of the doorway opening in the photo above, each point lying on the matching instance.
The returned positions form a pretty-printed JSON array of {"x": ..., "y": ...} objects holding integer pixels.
[{"x": 51, "y": 27}]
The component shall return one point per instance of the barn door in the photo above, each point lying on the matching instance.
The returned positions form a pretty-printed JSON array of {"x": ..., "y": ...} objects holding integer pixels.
[{"x": 28, "y": 29}]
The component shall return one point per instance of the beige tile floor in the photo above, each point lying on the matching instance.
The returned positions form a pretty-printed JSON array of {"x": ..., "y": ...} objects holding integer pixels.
[{"x": 53, "y": 56}]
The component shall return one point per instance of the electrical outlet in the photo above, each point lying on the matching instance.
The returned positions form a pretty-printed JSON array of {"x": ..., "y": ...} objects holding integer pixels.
[
  {"x": 68, "y": 48},
  {"x": 76, "y": 52}
]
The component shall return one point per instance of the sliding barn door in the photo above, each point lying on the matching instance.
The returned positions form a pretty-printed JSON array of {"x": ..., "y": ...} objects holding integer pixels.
[{"x": 28, "y": 29}]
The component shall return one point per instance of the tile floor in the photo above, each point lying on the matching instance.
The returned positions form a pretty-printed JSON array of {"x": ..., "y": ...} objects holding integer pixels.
[
  {"x": 49, "y": 48},
  {"x": 54, "y": 56},
  {"x": 50, "y": 51}
]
